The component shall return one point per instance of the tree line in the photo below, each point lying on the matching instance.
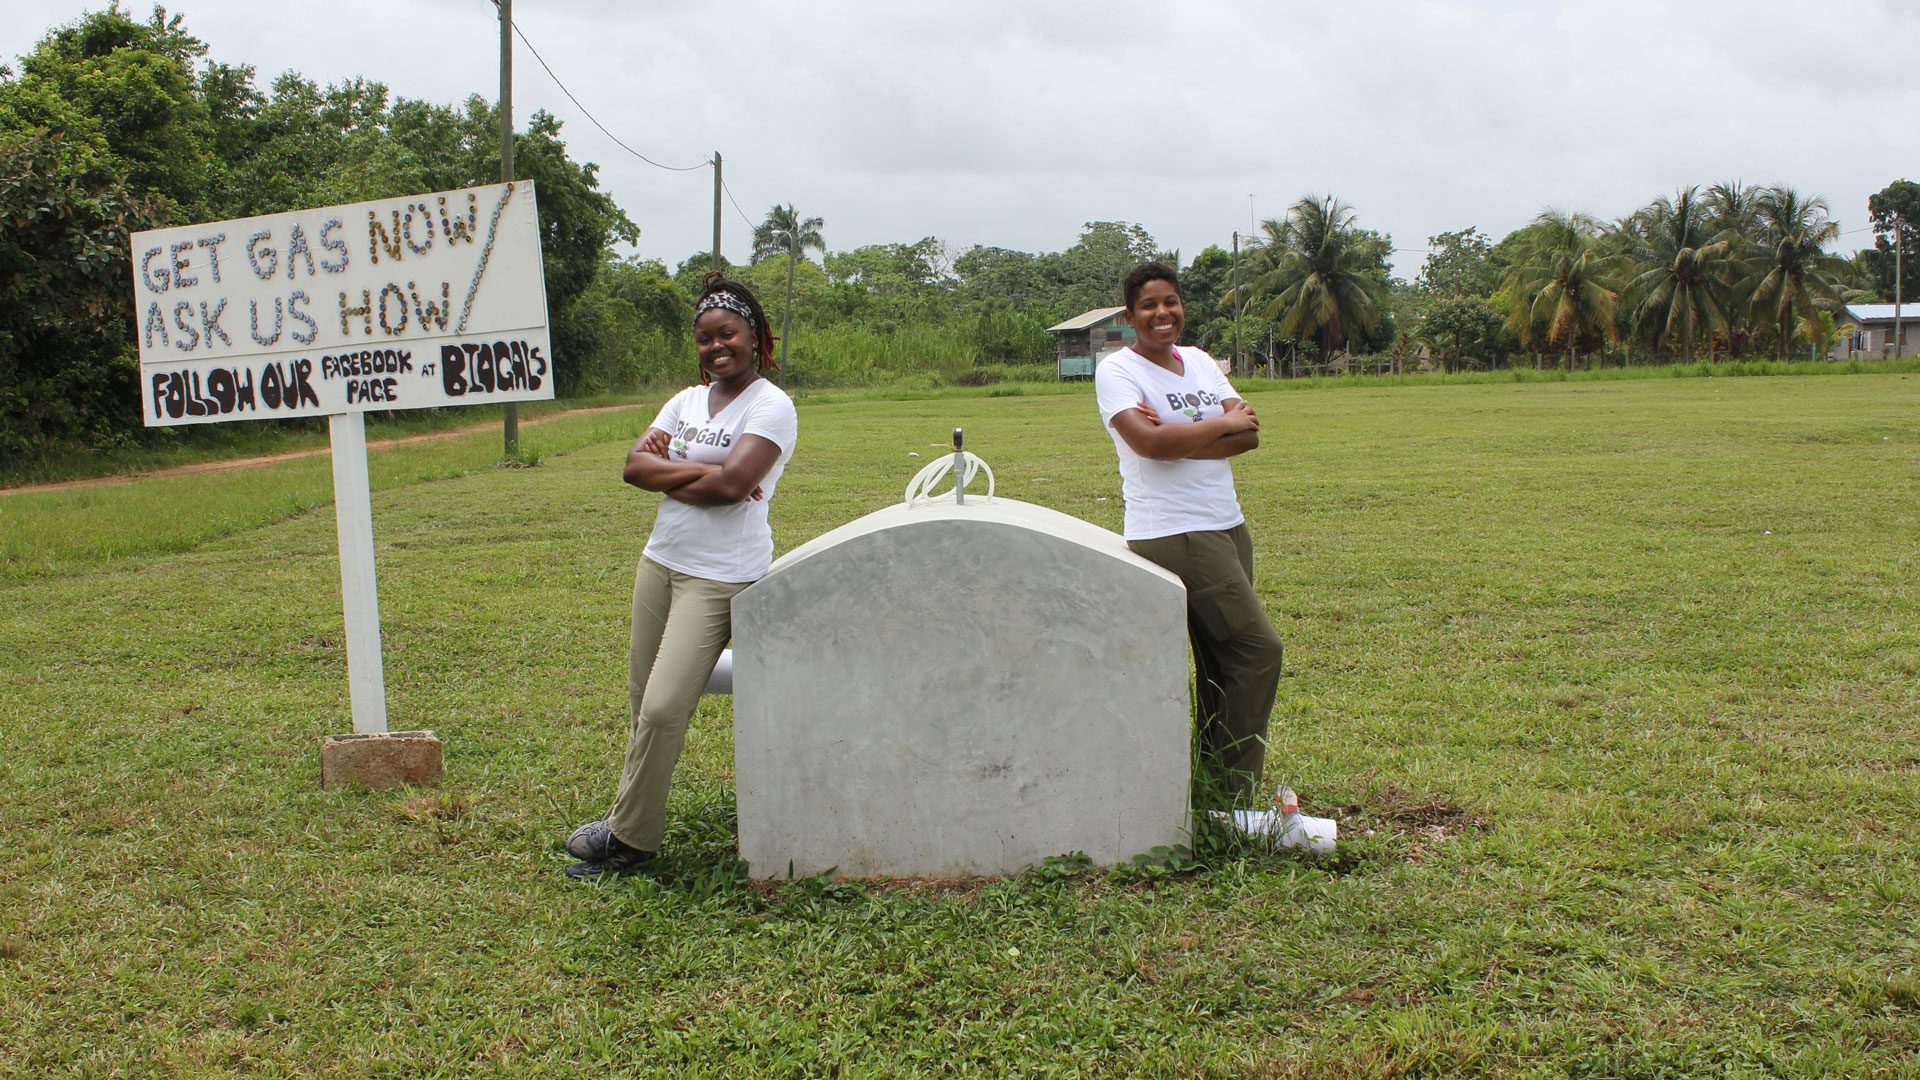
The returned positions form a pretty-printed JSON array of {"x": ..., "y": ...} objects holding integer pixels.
[
  {"x": 1729, "y": 270},
  {"x": 114, "y": 124}
]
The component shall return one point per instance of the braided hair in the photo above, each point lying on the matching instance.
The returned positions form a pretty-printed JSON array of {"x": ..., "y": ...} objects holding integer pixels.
[{"x": 757, "y": 321}]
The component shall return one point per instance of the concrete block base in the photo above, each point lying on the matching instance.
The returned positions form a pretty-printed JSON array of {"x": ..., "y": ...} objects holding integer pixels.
[{"x": 380, "y": 760}]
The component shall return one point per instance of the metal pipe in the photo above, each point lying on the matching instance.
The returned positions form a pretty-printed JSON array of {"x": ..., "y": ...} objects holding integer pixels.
[{"x": 959, "y": 472}]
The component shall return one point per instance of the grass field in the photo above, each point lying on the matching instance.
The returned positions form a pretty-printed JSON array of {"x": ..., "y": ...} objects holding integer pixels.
[
  {"x": 864, "y": 367},
  {"x": 1614, "y": 686}
]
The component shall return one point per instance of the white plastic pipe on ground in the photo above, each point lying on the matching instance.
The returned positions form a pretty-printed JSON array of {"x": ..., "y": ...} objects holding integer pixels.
[{"x": 1317, "y": 835}]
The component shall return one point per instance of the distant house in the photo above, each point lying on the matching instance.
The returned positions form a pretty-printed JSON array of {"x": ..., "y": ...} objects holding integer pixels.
[
  {"x": 1081, "y": 341},
  {"x": 1870, "y": 330}
]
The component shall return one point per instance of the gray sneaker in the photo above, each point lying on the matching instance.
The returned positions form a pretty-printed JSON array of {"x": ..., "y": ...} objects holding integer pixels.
[
  {"x": 591, "y": 842},
  {"x": 620, "y": 859}
]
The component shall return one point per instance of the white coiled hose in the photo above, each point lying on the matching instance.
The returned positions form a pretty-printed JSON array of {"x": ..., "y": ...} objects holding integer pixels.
[{"x": 920, "y": 488}]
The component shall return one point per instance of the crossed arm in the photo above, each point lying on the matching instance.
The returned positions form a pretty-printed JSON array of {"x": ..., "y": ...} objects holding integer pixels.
[
  {"x": 699, "y": 483},
  {"x": 1235, "y": 431}
]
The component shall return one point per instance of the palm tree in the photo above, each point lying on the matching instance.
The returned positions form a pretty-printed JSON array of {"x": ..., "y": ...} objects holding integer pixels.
[
  {"x": 1313, "y": 266},
  {"x": 784, "y": 233},
  {"x": 1563, "y": 284},
  {"x": 1687, "y": 277},
  {"x": 1818, "y": 327},
  {"x": 1733, "y": 211},
  {"x": 1792, "y": 258},
  {"x": 1735, "y": 206}
]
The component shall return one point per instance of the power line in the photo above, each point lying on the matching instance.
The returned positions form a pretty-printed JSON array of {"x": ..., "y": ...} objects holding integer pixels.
[
  {"x": 595, "y": 121},
  {"x": 736, "y": 204},
  {"x": 590, "y": 116}
]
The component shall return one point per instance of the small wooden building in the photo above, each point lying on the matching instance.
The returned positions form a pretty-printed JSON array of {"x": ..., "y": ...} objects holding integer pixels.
[
  {"x": 1081, "y": 341},
  {"x": 1870, "y": 330}
]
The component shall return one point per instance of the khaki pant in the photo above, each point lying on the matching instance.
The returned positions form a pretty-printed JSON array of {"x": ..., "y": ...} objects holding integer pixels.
[
  {"x": 680, "y": 625},
  {"x": 1236, "y": 657}
]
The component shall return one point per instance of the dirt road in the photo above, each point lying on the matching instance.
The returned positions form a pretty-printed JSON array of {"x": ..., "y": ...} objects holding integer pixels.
[{"x": 269, "y": 459}]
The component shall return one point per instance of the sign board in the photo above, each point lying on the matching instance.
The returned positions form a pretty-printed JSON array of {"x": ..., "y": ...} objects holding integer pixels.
[{"x": 402, "y": 303}]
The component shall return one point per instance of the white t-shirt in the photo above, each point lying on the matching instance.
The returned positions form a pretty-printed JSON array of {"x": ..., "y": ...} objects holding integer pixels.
[
  {"x": 1166, "y": 498},
  {"x": 721, "y": 543}
]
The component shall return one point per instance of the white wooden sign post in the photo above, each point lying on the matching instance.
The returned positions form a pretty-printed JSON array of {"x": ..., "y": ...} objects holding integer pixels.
[
  {"x": 403, "y": 303},
  {"x": 359, "y": 595}
]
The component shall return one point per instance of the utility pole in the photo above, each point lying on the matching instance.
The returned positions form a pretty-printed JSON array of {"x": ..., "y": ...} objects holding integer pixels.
[
  {"x": 1899, "y": 244},
  {"x": 718, "y": 188},
  {"x": 786, "y": 313},
  {"x": 1253, "y": 232},
  {"x": 512, "y": 433},
  {"x": 1238, "y": 304}
]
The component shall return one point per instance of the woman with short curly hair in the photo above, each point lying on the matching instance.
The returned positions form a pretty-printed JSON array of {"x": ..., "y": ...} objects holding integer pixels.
[{"x": 1175, "y": 422}]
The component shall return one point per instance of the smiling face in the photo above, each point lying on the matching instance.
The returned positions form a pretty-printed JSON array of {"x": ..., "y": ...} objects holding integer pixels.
[
  {"x": 724, "y": 343},
  {"x": 1157, "y": 315}
]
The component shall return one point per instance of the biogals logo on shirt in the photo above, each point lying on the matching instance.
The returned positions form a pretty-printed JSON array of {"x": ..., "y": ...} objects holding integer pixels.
[
  {"x": 691, "y": 435},
  {"x": 1192, "y": 404}
]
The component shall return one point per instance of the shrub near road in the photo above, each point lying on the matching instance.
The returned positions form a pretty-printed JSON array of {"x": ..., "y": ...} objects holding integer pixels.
[{"x": 1613, "y": 685}]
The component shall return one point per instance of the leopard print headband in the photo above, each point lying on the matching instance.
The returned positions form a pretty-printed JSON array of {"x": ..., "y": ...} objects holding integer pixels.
[{"x": 729, "y": 302}]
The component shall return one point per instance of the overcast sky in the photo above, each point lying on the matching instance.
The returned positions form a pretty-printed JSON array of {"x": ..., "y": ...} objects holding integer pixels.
[{"x": 1012, "y": 123}]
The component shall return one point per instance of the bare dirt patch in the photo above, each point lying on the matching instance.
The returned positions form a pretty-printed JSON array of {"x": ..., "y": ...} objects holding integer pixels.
[
  {"x": 1426, "y": 821},
  {"x": 1395, "y": 804}
]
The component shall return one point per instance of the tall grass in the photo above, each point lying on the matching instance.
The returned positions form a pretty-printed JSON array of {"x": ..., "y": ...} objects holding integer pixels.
[
  {"x": 1638, "y": 372},
  {"x": 848, "y": 355}
]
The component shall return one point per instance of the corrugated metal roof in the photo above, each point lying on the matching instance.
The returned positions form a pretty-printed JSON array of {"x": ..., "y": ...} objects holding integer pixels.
[
  {"x": 1087, "y": 319},
  {"x": 1883, "y": 312}
]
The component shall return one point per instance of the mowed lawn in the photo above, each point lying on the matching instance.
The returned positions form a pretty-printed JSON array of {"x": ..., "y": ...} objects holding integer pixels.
[{"x": 1614, "y": 686}]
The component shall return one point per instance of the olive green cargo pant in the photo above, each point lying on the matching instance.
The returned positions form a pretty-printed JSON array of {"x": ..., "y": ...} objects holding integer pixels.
[{"x": 1236, "y": 657}]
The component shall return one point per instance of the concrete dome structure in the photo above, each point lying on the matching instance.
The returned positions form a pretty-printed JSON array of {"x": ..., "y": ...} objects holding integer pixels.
[{"x": 944, "y": 690}]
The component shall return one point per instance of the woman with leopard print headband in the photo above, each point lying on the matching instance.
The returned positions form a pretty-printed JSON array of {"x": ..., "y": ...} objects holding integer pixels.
[{"x": 715, "y": 452}]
